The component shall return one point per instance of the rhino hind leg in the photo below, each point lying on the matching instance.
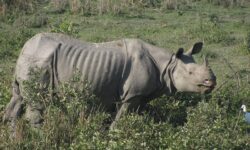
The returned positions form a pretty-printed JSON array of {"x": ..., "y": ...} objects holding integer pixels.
[
  {"x": 14, "y": 108},
  {"x": 34, "y": 114}
]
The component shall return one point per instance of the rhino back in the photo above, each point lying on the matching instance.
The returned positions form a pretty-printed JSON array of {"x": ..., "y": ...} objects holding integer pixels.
[{"x": 101, "y": 65}]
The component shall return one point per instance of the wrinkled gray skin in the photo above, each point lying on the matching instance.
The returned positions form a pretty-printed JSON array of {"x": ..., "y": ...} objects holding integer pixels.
[{"x": 129, "y": 71}]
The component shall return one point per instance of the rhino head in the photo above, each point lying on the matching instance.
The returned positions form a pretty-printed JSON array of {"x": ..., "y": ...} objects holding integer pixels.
[{"x": 188, "y": 76}]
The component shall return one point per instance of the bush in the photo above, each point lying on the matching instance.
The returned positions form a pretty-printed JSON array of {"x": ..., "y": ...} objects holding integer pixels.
[
  {"x": 73, "y": 120},
  {"x": 172, "y": 109},
  {"x": 92, "y": 133},
  {"x": 209, "y": 127},
  {"x": 141, "y": 132},
  {"x": 66, "y": 27},
  {"x": 72, "y": 107}
]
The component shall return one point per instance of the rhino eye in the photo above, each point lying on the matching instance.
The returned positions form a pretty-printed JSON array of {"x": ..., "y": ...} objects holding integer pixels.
[{"x": 190, "y": 72}]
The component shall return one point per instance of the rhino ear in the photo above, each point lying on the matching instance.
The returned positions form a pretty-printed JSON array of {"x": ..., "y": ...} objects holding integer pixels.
[
  {"x": 195, "y": 49},
  {"x": 179, "y": 52}
]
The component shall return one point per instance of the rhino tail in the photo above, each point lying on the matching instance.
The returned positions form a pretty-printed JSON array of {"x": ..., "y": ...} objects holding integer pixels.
[{"x": 14, "y": 107}]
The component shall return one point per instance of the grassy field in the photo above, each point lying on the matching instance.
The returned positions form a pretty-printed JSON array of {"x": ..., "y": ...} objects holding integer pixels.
[{"x": 183, "y": 121}]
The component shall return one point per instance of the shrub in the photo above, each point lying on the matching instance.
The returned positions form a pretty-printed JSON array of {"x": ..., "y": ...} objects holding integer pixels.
[
  {"x": 67, "y": 113},
  {"x": 73, "y": 119},
  {"x": 141, "y": 132},
  {"x": 208, "y": 127},
  {"x": 235, "y": 91},
  {"x": 92, "y": 133},
  {"x": 66, "y": 27}
]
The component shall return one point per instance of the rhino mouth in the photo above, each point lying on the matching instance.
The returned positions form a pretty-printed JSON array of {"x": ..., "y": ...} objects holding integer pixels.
[
  {"x": 206, "y": 88},
  {"x": 209, "y": 84},
  {"x": 206, "y": 85}
]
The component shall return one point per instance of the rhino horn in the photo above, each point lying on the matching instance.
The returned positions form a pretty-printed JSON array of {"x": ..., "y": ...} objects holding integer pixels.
[{"x": 205, "y": 63}]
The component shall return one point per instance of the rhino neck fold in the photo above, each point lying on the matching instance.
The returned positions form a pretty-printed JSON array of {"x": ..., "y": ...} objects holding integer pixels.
[
  {"x": 166, "y": 63},
  {"x": 167, "y": 75}
]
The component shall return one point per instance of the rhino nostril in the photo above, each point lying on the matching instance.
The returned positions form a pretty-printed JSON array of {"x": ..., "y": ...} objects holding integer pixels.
[
  {"x": 207, "y": 81},
  {"x": 210, "y": 82}
]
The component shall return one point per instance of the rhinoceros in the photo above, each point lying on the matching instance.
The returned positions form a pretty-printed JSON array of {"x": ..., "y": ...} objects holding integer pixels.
[{"x": 129, "y": 71}]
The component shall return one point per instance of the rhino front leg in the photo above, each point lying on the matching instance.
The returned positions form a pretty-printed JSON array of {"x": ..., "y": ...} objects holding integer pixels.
[
  {"x": 123, "y": 109},
  {"x": 134, "y": 104}
]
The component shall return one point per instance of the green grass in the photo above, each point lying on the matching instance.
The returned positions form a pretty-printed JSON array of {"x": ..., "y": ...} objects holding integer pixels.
[{"x": 183, "y": 121}]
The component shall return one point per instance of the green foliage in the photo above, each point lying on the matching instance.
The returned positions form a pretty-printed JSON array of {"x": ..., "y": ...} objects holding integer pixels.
[
  {"x": 92, "y": 132},
  {"x": 209, "y": 127},
  {"x": 73, "y": 120},
  {"x": 235, "y": 92},
  {"x": 66, "y": 27},
  {"x": 141, "y": 133},
  {"x": 68, "y": 114},
  {"x": 71, "y": 97}
]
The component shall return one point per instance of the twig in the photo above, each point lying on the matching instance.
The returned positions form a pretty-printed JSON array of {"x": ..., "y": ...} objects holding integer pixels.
[
  {"x": 236, "y": 73},
  {"x": 236, "y": 124},
  {"x": 220, "y": 86}
]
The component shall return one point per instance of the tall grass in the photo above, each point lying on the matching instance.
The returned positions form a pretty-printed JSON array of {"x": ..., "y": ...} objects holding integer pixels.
[
  {"x": 89, "y": 7},
  {"x": 227, "y": 3},
  {"x": 17, "y": 6}
]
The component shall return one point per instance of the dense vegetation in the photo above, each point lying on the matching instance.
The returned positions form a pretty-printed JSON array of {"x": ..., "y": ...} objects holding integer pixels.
[{"x": 182, "y": 121}]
